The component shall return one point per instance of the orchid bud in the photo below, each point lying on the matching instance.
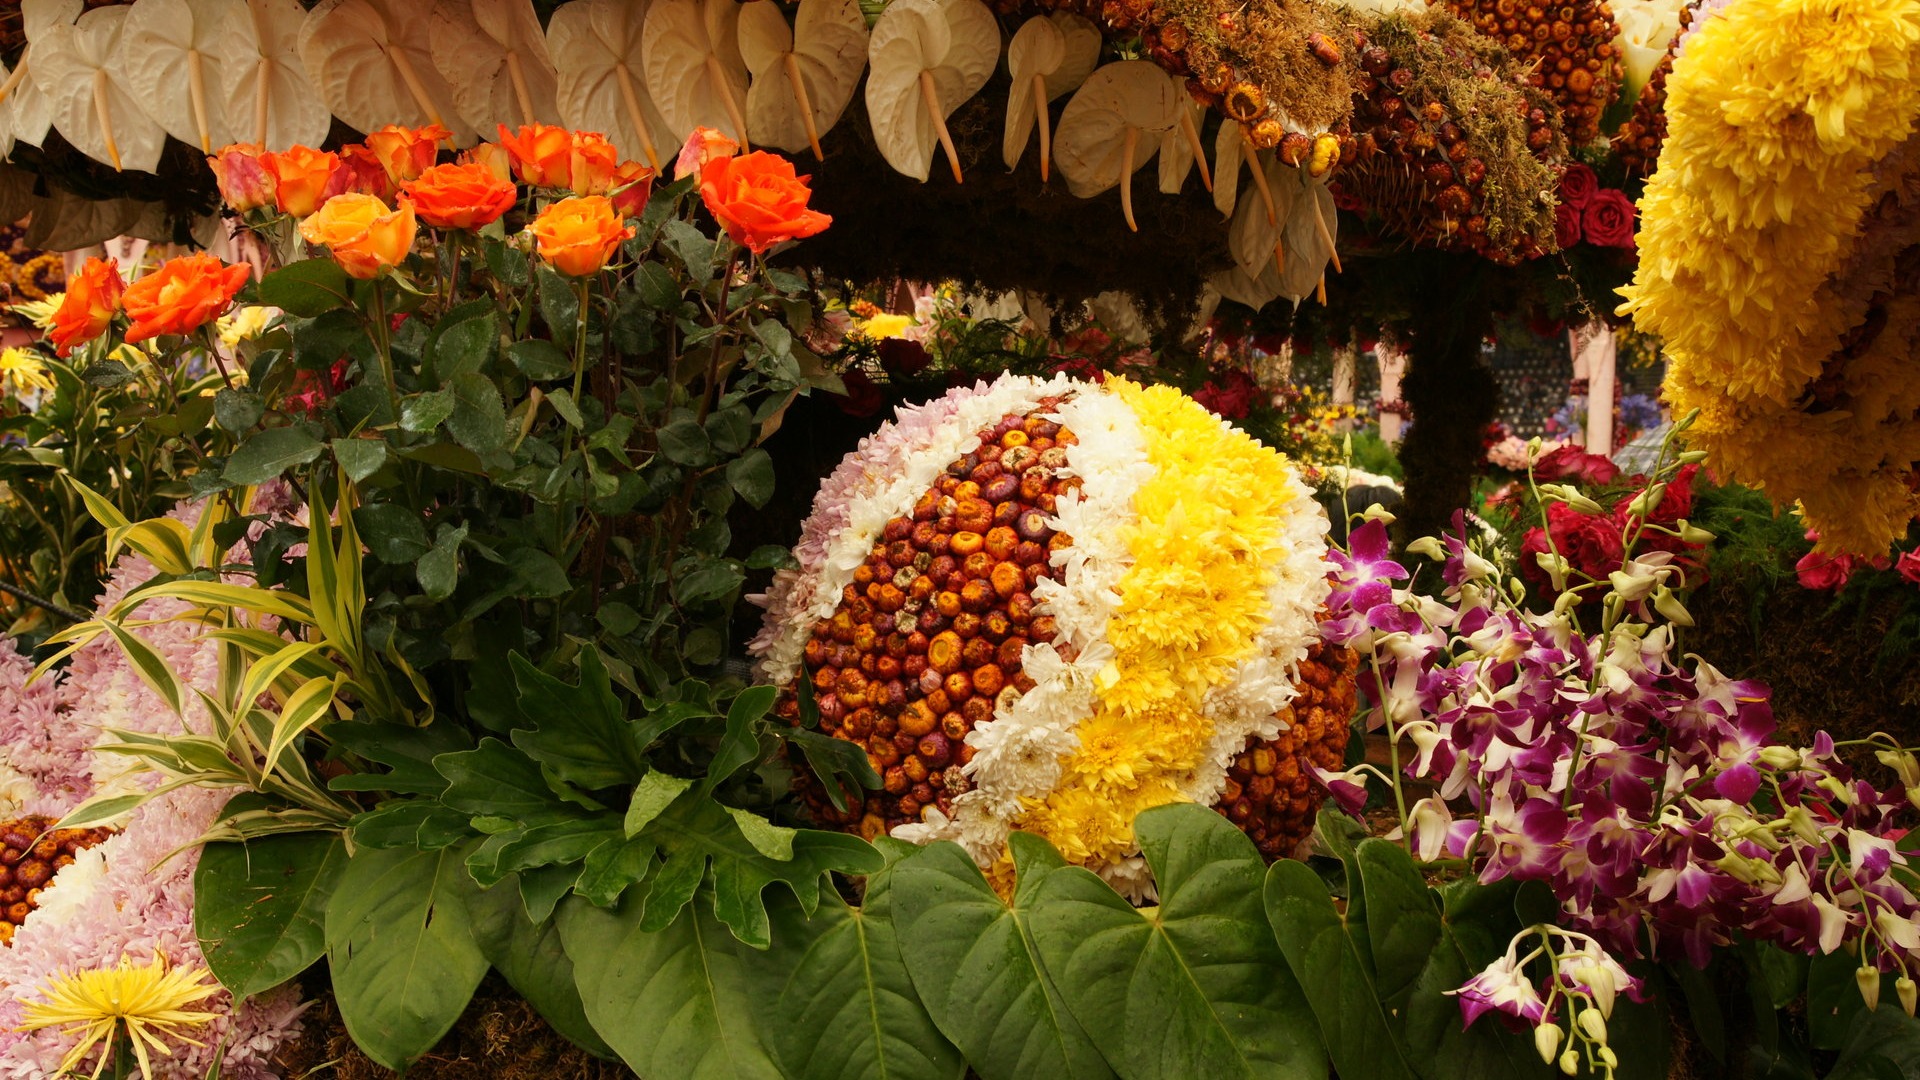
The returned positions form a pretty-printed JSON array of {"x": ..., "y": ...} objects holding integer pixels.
[
  {"x": 1903, "y": 763},
  {"x": 1593, "y": 1024},
  {"x": 1904, "y": 987},
  {"x": 1868, "y": 980},
  {"x": 1608, "y": 1058},
  {"x": 1644, "y": 503},
  {"x": 1533, "y": 446},
  {"x": 1570, "y": 1062},
  {"x": 1670, "y": 607},
  {"x": 1565, "y": 602},
  {"x": 1686, "y": 421},
  {"x": 1693, "y": 457},
  {"x": 1804, "y": 825},
  {"x": 1630, "y": 587},
  {"x": 1583, "y": 504},
  {"x": 1693, "y": 534},
  {"x": 1430, "y": 546},
  {"x": 1546, "y": 1039},
  {"x": 1778, "y": 757},
  {"x": 1556, "y": 567},
  {"x": 1379, "y": 513}
]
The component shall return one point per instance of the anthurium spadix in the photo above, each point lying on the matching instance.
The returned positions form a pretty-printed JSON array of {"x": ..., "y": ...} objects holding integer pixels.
[
  {"x": 927, "y": 58},
  {"x": 77, "y": 66},
  {"x": 803, "y": 75},
  {"x": 372, "y": 61},
  {"x": 1180, "y": 148},
  {"x": 1113, "y": 125},
  {"x": 595, "y": 46},
  {"x": 1231, "y": 150},
  {"x": 1049, "y": 56},
  {"x": 691, "y": 51},
  {"x": 173, "y": 52},
  {"x": 268, "y": 98},
  {"x": 494, "y": 56}
]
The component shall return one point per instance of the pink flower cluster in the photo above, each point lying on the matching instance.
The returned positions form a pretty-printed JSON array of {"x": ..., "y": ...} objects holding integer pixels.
[
  {"x": 1830, "y": 572},
  {"x": 144, "y": 900},
  {"x": 1600, "y": 216},
  {"x": 1643, "y": 788}
]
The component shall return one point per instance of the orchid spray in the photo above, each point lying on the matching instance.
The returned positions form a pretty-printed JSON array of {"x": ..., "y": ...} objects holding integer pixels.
[{"x": 1575, "y": 744}]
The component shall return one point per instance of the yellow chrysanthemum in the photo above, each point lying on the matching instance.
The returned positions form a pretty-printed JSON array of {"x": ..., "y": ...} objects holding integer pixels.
[
  {"x": 1205, "y": 548},
  {"x": 244, "y": 324},
  {"x": 886, "y": 326},
  {"x": 23, "y": 371},
  {"x": 1767, "y": 251},
  {"x": 148, "y": 1002}
]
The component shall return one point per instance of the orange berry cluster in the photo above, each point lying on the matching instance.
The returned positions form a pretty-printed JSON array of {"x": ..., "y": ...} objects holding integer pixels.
[
  {"x": 29, "y": 857},
  {"x": 1568, "y": 45},
  {"x": 926, "y": 643},
  {"x": 1271, "y": 794}
]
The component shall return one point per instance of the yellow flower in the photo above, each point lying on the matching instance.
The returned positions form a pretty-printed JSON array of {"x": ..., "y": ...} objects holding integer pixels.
[
  {"x": 886, "y": 326},
  {"x": 149, "y": 1003},
  {"x": 243, "y": 324},
  {"x": 40, "y": 312},
  {"x": 22, "y": 370}
]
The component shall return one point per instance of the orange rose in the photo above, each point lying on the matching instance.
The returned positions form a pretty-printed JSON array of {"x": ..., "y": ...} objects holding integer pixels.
[
  {"x": 542, "y": 156},
  {"x": 182, "y": 296},
  {"x": 303, "y": 178},
  {"x": 406, "y": 152},
  {"x": 632, "y": 184},
  {"x": 759, "y": 201},
  {"x": 460, "y": 196},
  {"x": 364, "y": 172},
  {"x": 93, "y": 296},
  {"x": 245, "y": 184},
  {"x": 578, "y": 235},
  {"x": 490, "y": 156},
  {"x": 361, "y": 234}
]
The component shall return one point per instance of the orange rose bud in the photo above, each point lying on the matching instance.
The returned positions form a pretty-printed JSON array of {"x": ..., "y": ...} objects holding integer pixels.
[
  {"x": 361, "y": 234},
  {"x": 244, "y": 182},
  {"x": 594, "y": 164},
  {"x": 460, "y": 196},
  {"x": 541, "y": 155},
  {"x": 405, "y": 152},
  {"x": 303, "y": 178},
  {"x": 180, "y": 297},
  {"x": 759, "y": 201},
  {"x": 93, "y": 296},
  {"x": 632, "y": 185},
  {"x": 364, "y": 172},
  {"x": 577, "y": 236},
  {"x": 704, "y": 145},
  {"x": 490, "y": 156}
]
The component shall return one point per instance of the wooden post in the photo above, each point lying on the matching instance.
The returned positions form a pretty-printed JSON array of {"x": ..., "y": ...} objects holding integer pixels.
[
  {"x": 1393, "y": 365},
  {"x": 1346, "y": 360},
  {"x": 1594, "y": 353}
]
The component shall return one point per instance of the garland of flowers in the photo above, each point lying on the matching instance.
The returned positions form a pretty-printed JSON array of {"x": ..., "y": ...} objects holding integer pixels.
[{"x": 1768, "y": 247}]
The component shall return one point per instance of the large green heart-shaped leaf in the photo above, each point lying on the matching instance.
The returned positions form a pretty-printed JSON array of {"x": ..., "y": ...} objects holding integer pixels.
[
  {"x": 1325, "y": 961},
  {"x": 260, "y": 907},
  {"x": 838, "y": 1000},
  {"x": 533, "y": 961},
  {"x": 975, "y": 964},
  {"x": 401, "y": 947},
  {"x": 1476, "y": 924},
  {"x": 1194, "y": 988},
  {"x": 675, "y": 1004}
]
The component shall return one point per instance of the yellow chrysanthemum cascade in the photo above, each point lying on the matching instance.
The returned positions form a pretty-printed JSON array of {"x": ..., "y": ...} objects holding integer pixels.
[
  {"x": 1777, "y": 255},
  {"x": 1206, "y": 547}
]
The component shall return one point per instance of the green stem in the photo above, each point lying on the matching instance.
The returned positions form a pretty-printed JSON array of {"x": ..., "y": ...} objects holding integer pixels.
[{"x": 382, "y": 345}]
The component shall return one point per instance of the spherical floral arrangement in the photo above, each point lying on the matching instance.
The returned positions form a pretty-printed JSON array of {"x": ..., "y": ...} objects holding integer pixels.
[
  {"x": 1049, "y": 605},
  {"x": 1774, "y": 256}
]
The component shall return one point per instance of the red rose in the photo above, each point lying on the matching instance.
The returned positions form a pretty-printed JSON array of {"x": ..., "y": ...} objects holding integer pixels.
[
  {"x": 1577, "y": 185},
  {"x": 1589, "y": 542},
  {"x": 863, "y": 396},
  {"x": 1607, "y": 220},
  {"x": 1231, "y": 398},
  {"x": 1079, "y": 368},
  {"x": 1566, "y": 226},
  {"x": 1572, "y": 463},
  {"x": 903, "y": 359}
]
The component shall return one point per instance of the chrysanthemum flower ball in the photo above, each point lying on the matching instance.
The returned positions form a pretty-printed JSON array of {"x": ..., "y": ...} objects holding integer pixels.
[{"x": 1049, "y": 605}]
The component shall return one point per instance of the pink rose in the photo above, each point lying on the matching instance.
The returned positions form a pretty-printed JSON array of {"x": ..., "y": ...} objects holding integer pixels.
[
  {"x": 1570, "y": 462},
  {"x": 1607, "y": 219},
  {"x": 1908, "y": 566},
  {"x": 1823, "y": 571}
]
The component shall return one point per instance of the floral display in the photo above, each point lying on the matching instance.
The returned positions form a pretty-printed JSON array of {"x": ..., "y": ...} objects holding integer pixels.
[
  {"x": 1764, "y": 253},
  {"x": 1077, "y": 652},
  {"x": 1569, "y": 48}
]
